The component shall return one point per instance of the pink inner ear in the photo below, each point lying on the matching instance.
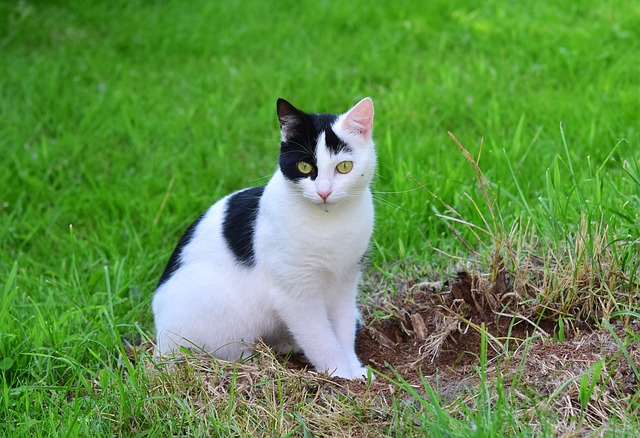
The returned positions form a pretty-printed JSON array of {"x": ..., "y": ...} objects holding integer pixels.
[{"x": 360, "y": 118}]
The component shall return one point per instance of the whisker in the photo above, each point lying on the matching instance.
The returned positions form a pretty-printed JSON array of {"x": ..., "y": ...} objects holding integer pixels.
[
  {"x": 391, "y": 204},
  {"x": 261, "y": 178},
  {"x": 401, "y": 192}
]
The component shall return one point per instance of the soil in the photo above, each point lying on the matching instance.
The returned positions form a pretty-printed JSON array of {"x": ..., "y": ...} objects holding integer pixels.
[{"x": 434, "y": 334}]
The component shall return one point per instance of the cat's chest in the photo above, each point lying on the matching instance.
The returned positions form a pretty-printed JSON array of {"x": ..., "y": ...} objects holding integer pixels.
[{"x": 323, "y": 236}]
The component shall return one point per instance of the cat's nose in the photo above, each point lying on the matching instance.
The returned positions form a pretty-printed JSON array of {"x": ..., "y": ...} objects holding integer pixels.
[
  {"x": 324, "y": 194},
  {"x": 323, "y": 188}
]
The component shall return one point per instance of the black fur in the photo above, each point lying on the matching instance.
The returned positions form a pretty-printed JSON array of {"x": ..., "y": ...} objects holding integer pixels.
[
  {"x": 334, "y": 144},
  {"x": 302, "y": 131},
  {"x": 238, "y": 226},
  {"x": 174, "y": 260}
]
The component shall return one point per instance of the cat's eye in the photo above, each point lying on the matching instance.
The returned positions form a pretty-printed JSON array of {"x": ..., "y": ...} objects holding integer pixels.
[
  {"x": 344, "y": 166},
  {"x": 304, "y": 167}
]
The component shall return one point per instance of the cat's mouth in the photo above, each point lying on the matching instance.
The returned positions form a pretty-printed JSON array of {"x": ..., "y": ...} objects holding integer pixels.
[
  {"x": 321, "y": 202},
  {"x": 325, "y": 200}
]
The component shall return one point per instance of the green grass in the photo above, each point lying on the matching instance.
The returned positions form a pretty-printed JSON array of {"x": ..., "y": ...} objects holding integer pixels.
[{"x": 120, "y": 122}]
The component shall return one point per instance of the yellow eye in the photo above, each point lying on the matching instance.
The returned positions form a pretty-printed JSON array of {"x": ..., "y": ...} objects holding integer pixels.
[
  {"x": 344, "y": 166},
  {"x": 304, "y": 167}
]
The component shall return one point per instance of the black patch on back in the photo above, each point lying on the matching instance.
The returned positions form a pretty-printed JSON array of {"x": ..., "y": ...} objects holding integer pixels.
[
  {"x": 174, "y": 260},
  {"x": 301, "y": 143},
  {"x": 238, "y": 227}
]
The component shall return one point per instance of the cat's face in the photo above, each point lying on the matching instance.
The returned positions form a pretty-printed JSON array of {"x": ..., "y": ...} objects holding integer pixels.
[{"x": 327, "y": 158}]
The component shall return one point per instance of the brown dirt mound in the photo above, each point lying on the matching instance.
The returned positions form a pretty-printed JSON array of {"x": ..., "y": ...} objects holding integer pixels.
[
  {"x": 435, "y": 334},
  {"x": 437, "y": 326}
]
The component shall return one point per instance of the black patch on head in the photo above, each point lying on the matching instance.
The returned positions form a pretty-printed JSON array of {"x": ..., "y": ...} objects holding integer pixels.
[
  {"x": 174, "y": 260},
  {"x": 334, "y": 144},
  {"x": 238, "y": 226},
  {"x": 302, "y": 131}
]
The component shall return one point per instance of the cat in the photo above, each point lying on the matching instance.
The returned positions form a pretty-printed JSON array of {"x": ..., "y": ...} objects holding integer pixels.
[{"x": 280, "y": 263}]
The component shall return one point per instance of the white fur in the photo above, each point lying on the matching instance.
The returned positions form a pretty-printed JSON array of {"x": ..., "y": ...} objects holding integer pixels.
[{"x": 302, "y": 288}]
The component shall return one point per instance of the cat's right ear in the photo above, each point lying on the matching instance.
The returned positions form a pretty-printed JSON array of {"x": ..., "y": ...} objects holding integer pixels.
[
  {"x": 289, "y": 117},
  {"x": 359, "y": 119}
]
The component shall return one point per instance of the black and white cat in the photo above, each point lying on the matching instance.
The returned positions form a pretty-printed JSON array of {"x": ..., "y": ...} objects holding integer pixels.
[{"x": 280, "y": 262}]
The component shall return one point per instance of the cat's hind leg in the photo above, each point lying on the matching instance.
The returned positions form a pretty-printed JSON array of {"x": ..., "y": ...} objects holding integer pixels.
[{"x": 194, "y": 310}]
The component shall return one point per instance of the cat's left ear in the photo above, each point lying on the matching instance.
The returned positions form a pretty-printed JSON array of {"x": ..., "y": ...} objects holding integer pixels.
[
  {"x": 290, "y": 118},
  {"x": 359, "y": 119}
]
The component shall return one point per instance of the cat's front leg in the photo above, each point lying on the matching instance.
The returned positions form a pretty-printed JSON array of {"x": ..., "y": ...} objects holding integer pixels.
[
  {"x": 307, "y": 320},
  {"x": 344, "y": 316}
]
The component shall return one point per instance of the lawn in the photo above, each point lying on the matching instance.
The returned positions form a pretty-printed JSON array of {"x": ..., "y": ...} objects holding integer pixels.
[{"x": 508, "y": 185}]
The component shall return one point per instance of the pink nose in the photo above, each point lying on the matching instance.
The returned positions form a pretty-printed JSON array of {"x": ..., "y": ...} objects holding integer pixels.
[{"x": 324, "y": 195}]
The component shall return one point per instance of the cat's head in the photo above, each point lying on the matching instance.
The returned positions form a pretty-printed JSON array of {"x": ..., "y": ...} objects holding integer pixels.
[{"x": 325, "y": 157}]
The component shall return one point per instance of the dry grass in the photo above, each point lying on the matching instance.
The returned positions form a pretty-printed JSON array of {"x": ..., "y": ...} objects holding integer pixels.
[
  {"x": 265, "y": 397},
  {"x": 539, "y": 379}
]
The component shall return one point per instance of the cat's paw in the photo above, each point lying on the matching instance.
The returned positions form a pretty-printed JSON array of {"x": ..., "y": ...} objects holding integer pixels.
[
  {"x": 363, "y": 373},
  {"x": 356, "y": 373},
  {"x": 342, "y": 373}
]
